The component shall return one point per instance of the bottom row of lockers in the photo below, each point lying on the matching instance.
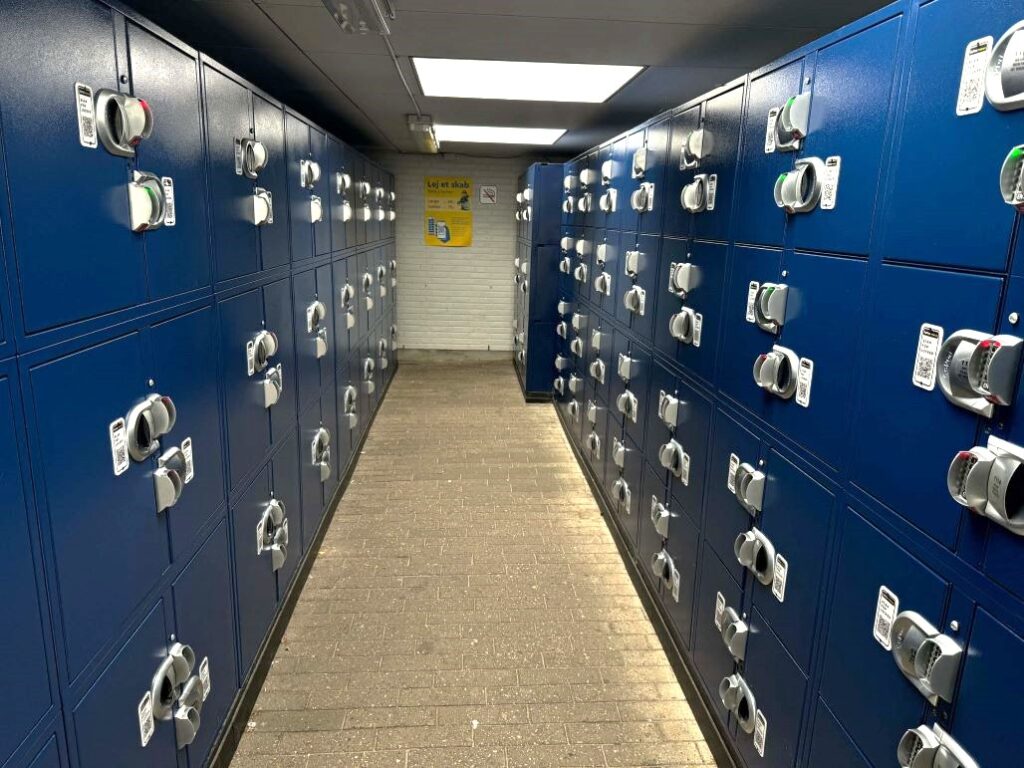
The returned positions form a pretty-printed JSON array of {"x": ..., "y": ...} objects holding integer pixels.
[{"x": 740, "y": 539}]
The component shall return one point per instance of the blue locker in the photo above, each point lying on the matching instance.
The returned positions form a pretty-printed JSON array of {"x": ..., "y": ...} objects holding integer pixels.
[
  {"x": 693, "y": 426},
  {"x": 362, "y": 196},
  {"x": 318, "y": 463},
  {"x": 26, "y": 644},
  {"x": 684, "y": 154},
  {"x": 590, "y": 190},
  {"x": 916, "y": 422},
  {"x": 634, "y": 360},
  {"x": 365, "y": 262},
  {"x": 302, "y": 179},
  {"x": 377, "y": 203},
  {"x": 321, "y": 189},
  {"x": 204, "y": 616},
  {"x": 725, "y": 516},
  {"x": 597, "y": 444},
  {"x": 636, "y": 296},
  {"x": 677, "y": 594},
  {"x": 313, "y": 323},
  {"x": 345, "y": 316},
  {"x": 858, "y": 672},
  {"x": 629, "y": 501},
  {"x": 654, "y": 506},
  {"x": 921, "y": 227},
  {"x": 829, "y": 743},
  {"x": 600, "y": 362},
  {"x": 722, "y": 116},
  {"x": 797, "y": 519},
  {"x": 759, "y": 220},
  {"x": 583, "y": 260},
  {"x": 104, "y": 726},
  {"x": 849, "y": 121},
  {"x": 342, "y": 187},
  {"x": 646, "y": 151},
  {"x": 571, "y": 194},
  {"x": 690, "y": 291},
  {"x": 716, "y": 592},
  {"x": 619, "y": 186},
  {"x": 268, "y": 124},
  {"x": 606, "y": 275},
  {"x": 824, "y": 293},
  {"x": 743, "y": 339}
]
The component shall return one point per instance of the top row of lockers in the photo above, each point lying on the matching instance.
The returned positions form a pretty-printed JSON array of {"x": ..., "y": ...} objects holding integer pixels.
[
  {"x": 897, "y": 140},
  {"x": 139, "y": 174}
]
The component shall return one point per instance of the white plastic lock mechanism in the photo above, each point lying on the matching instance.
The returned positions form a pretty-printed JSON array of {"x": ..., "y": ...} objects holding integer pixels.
[
  {"x": 570, "y": 182},
  {"x": 1004, "y": 77},
  {"x": 623, "y": 496},
  {"x": 564, "y": 307},
  {"x": 682, "y": 324},
  {"x": 663, "y": 567},
  {"x": 585, "y": 202},
  {"x": 631, "y": 263},
  {"x": 660, "y": 517},
  {"x": 671, "y": 410},
  {"x": 559, "y": 385},
  {"x": 264, "y": 347},
  {"x": 350, "y": 400},
  {"x": 177, "y": 695},
  {"x": 147, "y": 201},
  {"x": 262, "y": 207},
  {"x": 791, "y": 122},
  {"x": 799, "y": 190},
  {"x": 382, "y": 353},
  {"x": 628, "y": 367},
  {"x": 642, "y": 199},
  {"x": 274, "y": 529},
  {"x": 146, "y": 423},
  {"x": 315, "y": 314},
  {"x": 603, "y": 283},
  {"x": 565, "y": 265},
  {"x": 749, "y": 484},
  {"x": 316, "y": 209},
  {"x": 755, "y": 552},
  {"x": 122, "y": 122},
  {"x": 320, "y": 453},
  {"x": 619, "y": 451},
  {"x": 254, "y": 157},
  {"x": 990, "y": 481},
  {"x": 169, "y": 478},
  {"x": 562, "y": 329},
  {"x": 342, "y": 182},
  {"x": 978, "y": 371},
  {"x": 635, "y": 300},
  {"x": 601, "y": 256},
  {"x": 673, "y": 457},
  {"x": 737, "y": 697},
  {"x": 639, "y": 165},
  {"x": 309, "y": 173},
  {"x": 271, "y": 386},
  {"x": 575, "y": 384},
  {"x": 569, "y": 204},
  {"x": 607, "y": 172},
  {"x": 588, "y": 176},
  {"x": 776, "y": 372},
  {"x": 594, "y": 445},
  {"x": 592, "y": 411},
  {"x": 346, "y": 211},
  {"x": 929, "y": 659},
  {"x": 597, "y": 370},
  {"x": 1011, "y": 178},
  {"x": 576, "y": 347},
  {"x": 369, "y": 369},
  {"x": 580, "y": 273},
  {"x": 607, "y": 201},
  {"x": 770, "y": 306},
  {"x": 683, "y": 277},
  {"x": 734, "y": 633},
  {"x": 696, "y": 147},
  {"x": 694, "y": 196},
  {"x": 628, "y": 406},
  {"x": 365, "y": 214},
  {"x": 583, "y": 248},
  {"x": 574, "y": 410},
  {"x": 380, "y": 214},
  {"x": 562, "y": 362},
  {"x": 596, "y": 337},
  {"x": 579, "y": 322},
  {"x": 567, "y": 243},
  {"x": 931, "y": 747}
]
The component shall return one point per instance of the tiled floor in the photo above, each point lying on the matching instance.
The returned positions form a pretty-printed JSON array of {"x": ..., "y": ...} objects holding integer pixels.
[{"x": 468, "y": 608}]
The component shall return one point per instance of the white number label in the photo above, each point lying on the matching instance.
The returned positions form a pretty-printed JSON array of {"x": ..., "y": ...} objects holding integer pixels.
[
  {"x": 119, "y": 446},
  {"x": 885, "y": 613},
  {"x": 929, "y": 341}
]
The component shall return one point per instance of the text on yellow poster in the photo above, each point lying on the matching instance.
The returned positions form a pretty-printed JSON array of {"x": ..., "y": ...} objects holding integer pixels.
[{"x": 448, "y": 218}]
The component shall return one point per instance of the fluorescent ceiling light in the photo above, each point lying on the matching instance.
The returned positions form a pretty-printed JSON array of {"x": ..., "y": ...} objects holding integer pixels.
[
  {"x": 521, "y": 80},
  {"x": 489, "y": 134}
]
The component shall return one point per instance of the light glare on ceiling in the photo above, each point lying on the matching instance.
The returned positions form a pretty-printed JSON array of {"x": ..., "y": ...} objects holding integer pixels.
[
  {"x": 521, "y": 80},
  {"x": 487, "y": 134}
]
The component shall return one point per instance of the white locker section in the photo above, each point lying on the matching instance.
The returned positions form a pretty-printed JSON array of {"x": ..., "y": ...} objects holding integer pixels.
[{"x": 456, "y": 298}]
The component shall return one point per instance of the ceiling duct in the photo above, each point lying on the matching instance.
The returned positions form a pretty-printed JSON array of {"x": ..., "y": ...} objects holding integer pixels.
[{"x": 362, "y": 16}]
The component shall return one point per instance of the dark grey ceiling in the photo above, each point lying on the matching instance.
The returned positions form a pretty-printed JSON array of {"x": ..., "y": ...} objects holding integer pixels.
[{"x": 348, "y": 83}]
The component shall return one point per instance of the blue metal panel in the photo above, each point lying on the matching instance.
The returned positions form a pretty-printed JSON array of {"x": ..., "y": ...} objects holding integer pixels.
[
  {"x": 682, "y": 546},
  {"x": 178, "y": 257},
  {"x": 268, "y": 121},
  {"x": 824, "y": 293},
  {"x": 38, "y": 72},
  {"x": 50, "y": 756},
  {"x": 797, "y": 518},
  {"x": 340, "y": 198},
  {"x": 642, "y": 325},
  {"x": 829, "y": 743},
  {"x": 677, "y": 221},
  {"x": 26, "y": 643},
  {"x": 297, "y": 147},
  {"x": 725, "y": 517},
  {"x": 343, "y": 336},
  {"x": 359, "y": 174},
  {"x": 710, "y": 654},
  {"x": 849, "y": 120},
  {"x": 256, "y": 582},
  {"x": 858, "y": 672},
  {"x": 607, "y": 247},
  {"x": 204, "y": 612},
  {"x": 673, "y": 251},
  {"x": 722, "y": 122},
  {"x": 692, "y": 433},
  {"x": 705, "y": 299},
  {"x": 759, "y": 220},
  {"x": 307, "y": 365},
  {"x": 915, "y": 422},
  {"x": 95, "y": 517},
  {"x": 743, "y": 339},
  {"x": 633, "y": 473},
  {"x": 277, "y": 302},
  {"x": 591, "y": 164},
  {"x": 286, "y": 487},
  {"x": 322, "y": 189},
  {"x": 105, "y": 722}
]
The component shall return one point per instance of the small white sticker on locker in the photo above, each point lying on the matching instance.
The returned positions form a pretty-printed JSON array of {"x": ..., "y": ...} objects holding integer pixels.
[
  {"x": 250, "y": 357},
  {"x": 830, "y": 186},
  {"x": 204, "y": 676},
  {"x": 719, "y": 610},
  {"x": 712, "y": 190},
  {"x": 734, "y": 464},
  {"x": 752, "y": 290},
  {"x": 684, "y": 476},
  {"x": 769, "y": 133},
  {"x": 145, "y": 712},
  {"x": 86, "y": 110},
  {"x": 698, "y": 327},
  {"x": 885, "y": 614},
  {"x": 675, "y": 584},
  {"x": 929, "y": 342},
  {"x": 261, "y": 532},
  {"x": 119, "y": 446},
  {"x": 238, "y": 157},
  {"x": 805, "y": 375},
  {"x": 760, "y": 732},
  {"x": 169, "y": 215},
  {"x": 190, "y": 469},
  {"x": 971, "y": 96},
  {"x": 779, "y": 580}
]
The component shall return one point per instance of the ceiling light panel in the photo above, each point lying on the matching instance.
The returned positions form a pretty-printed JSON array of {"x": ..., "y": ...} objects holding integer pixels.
[
  {"x": 521, "y": 80},
  {"x": 488, "y": 134}
]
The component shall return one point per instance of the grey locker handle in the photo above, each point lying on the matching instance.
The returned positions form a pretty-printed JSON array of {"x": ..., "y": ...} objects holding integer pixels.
[
  {"x": 988, "y": 480},
  {"x": 978, "y": 371},
  {"x": 559, "y": 385},
  {"x": 694, "y": 196},
  {"x": 147, "y": 202},
  {"x": 682, "y": 324},
  {"x": 660, "y": 517},
  {"x": 737, "y": 697},
  {"x": 756, "y": 553},
  {"x": 172, "y": 673},
  {"x": 320, "y": 343},
  {"x": 931, "y": 747},
  {"x": 167, "y": 487},
  {"x": 635, "y": 300},
  {"x": 791, "y": 122},
  {"x": 770, "y": 306},
  {"x": 776, "y": 371},
  {"x": 122, "y": 122},
  {"x": 147, "y": 422},
  {"x": 187, "y": 713},
  {"x": 265, "y": 347},
  {"x": 272, "y": 386},
  {"x": 262, "y": 207},
  {"x": 597, "y": 369},
  {"x": 750, "y": 483},
  {"x": 683, "y": 278},
  {"x": 254, "y": 157},
  {"x": 627, "y": 404},
  {"x": 670, "y": 456},
  {"x": 929, "y": 659},
  {"x": 734, "y": 633},
  {"x": 670, "y": 408}
]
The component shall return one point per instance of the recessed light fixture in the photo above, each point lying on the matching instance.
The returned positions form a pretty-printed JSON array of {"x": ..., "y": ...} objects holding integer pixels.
[
  {"x": 521, "y": 80},
  {"x": 489, "y": 134}
]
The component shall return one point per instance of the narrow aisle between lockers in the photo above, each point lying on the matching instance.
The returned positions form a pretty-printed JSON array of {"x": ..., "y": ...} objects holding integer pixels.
[{"x": 468, "y": 606}]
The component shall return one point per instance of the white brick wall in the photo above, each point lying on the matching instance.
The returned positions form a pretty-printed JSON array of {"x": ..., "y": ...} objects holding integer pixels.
[{"x": 456, "y": 298}]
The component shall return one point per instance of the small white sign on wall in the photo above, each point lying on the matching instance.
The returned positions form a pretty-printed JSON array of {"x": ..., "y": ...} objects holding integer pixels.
[{"x": 488, "y": 194}]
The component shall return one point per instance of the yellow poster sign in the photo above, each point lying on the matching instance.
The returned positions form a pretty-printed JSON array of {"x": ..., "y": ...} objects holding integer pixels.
[{"x": 448, "y": 218}]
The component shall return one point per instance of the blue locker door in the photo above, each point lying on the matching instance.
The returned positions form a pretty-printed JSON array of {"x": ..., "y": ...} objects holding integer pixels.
[
  {"x": 915, "y": 422},
  {"x": 716, "y": 589},
  {"x": 268, "y": 120},
  {"x": 825, "y": 294},
  {"x": 656, "y": 143},
  {"x": 621, "y": 185},
  {"x": 639, "y": 385},
  {"x": 991, "y": 667},
  {"x": 229, "y": 119},
  {"x": 307, "y": 366},
  {"x": 582, "y": 261},
  {"x": 204, "y": 612},
  {"x": 606, "y": 275},
  {"x": 341, "y": 198},
  {"x": 849, "y": 121},
  {"x": 297, "y": 145},
  {"x": 779, "y": 688},
  {"x": 633, "y": 474},
  {"x": 682, "y": 546},
  {"x": 829, "y": 743},
  {"x": 923, "y": 227},
  {"x": 105, "y": 723},
  {"x": 322, "y": 189},
  {"x": 50, "y": 756},
  {"x": 256, "y": 581},
  {"x": 277, "y": 302},
  {"x": 797, "y": 518},
  {"x": 313, "y": 497},
  {"x": 742, "y": 339},
  {"x": 642, "y": 324},
  {"x": 726, "y": 518},
  {"x": 722, "y": 116},
  {"x": 178, "y": 257},
  {"x": 286, "y": 486},
  {"x": 692, "y": 432},
  {"x": 590, "y": 165},
  {"x": 673, "y": 251},
  {"x": 361, "y": 199},
  {"x": 26, "y": 643},
  {"x": 605, "y": 354},
  {"x": 706, "y": 300},
  {"x": 858, "y": 671},
  {"x": 248, "y": 425},
  {"x": 193, "y": 387},
  {"x": 677, "y": 221},
  {"x": 77, "y": 486},
  {"x": 325, "y": 293},
  {"x": 649, "y": 541},
  {"x": 657, "y": 432},
  {"x": 339, "y": 448},
  {"x": 344, "y": 337},
  {"x": 759, "y": 220},
  {"x": 98, "y": 257}
]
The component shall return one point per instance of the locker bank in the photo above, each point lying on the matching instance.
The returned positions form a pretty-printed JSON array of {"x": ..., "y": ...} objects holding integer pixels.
[{"x": 707, "y": 446}]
